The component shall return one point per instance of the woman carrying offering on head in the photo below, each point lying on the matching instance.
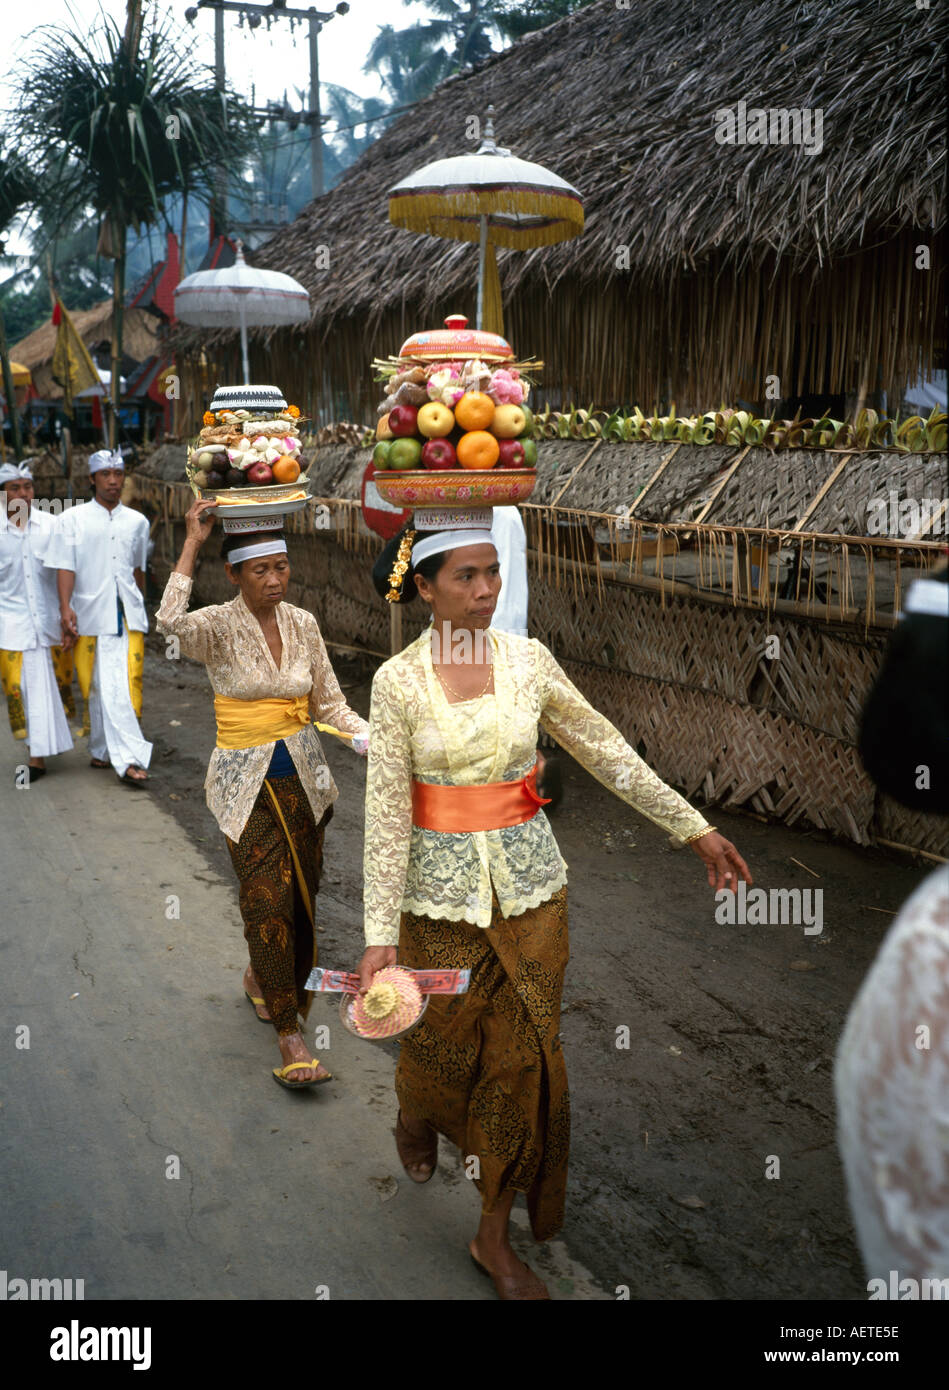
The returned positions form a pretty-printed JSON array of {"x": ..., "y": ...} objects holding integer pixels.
[
  {"x": 462, "y": 871},
  {"x": 268, "y": 784}
]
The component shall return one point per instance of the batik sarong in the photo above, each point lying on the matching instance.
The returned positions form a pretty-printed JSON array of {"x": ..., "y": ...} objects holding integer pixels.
[
  {"x": 486, "y": 1068},
  {"x": 276, "y": 907}
]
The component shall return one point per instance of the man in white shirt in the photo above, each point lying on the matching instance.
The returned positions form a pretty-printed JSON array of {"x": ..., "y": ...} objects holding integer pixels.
[
  {"x": 29, "y": 622},
  {"x": 99, "y": 550}
]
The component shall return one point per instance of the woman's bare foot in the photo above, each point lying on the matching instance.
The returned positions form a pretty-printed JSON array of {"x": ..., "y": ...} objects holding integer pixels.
[
  {"x": 420, "y": 1134},
  {"x": 38, "y": 762},
  {"x": 252, "y": 988},
  {"x": 134, "y": 773},
  {"x": 498, "y": 1258},
  {"x": 294, "y": 1049}
]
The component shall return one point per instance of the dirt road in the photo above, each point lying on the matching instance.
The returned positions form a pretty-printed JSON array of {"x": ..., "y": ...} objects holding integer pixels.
[{"x": 726, "y": 1065}]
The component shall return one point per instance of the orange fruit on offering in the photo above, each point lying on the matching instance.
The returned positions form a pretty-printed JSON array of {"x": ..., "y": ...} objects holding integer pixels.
[
  {"x": 285, "y": 469},
  {"x": 474, "y": 411},
  {"x": 478, "y": 449}
]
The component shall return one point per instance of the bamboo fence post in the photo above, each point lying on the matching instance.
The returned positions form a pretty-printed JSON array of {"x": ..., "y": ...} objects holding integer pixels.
[
  {"x": 658, "y": 474},
  {"x": 821, "y": 493}
]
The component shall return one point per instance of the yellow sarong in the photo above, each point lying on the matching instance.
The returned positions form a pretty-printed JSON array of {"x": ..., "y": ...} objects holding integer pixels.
[
  {"x": 85, "y": 656},
  {"x": 11, "y": 676},
  {"x": 249, "y": 723}
]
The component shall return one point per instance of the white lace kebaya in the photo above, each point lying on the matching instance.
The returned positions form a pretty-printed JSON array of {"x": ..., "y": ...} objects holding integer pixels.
[
  {"x": 414, "y": 732},
  {"x": 892, "y": 1084},
  {"x": 230, "y": 642}
]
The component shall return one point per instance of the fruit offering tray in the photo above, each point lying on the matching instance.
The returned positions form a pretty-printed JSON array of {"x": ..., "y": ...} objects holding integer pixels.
[
  {"x": 249, "y": 451},
  {"x": 464, "y": 407}
]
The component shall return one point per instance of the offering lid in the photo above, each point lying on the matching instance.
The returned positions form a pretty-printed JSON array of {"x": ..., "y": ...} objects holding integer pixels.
[
  {"x": 456, "y": 342},
  {"x": 248, "y": 398}
]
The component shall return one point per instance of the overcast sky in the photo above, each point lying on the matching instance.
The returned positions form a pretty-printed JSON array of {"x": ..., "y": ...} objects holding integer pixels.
[{"x": 272, "y": 60}]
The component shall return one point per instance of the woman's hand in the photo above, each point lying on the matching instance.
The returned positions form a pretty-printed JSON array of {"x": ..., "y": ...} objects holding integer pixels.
[
  {"x": 722, "y": 861},
  {"x": 199, "y": 520},
  {"x": 360, "y": 744},
  {"x": 374, "y": 958}
]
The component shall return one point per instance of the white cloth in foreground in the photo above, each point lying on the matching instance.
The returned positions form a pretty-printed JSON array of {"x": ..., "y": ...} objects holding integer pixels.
[
  {"x": 102, "y": 547},
  {"x": 47, "y": 731},
  {"x": 510, "y": 541},
  {"x": 114, "y": 732},
  {"x": 29, "y": 623},
  {"x": 892, "y": 1084}
]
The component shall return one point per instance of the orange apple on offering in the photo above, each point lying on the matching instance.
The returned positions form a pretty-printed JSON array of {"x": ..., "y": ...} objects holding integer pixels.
[
  {"x": 478, "y": 449},
  {"x": 474, "y": 410},
  {"x": 435, "y": 420},
  {"x": 509, "y": 421},
  {"x": 382, "y": 429}
]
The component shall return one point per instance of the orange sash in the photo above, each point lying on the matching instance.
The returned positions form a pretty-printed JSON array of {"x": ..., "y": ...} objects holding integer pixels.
[{"x": 490, "y": 806}]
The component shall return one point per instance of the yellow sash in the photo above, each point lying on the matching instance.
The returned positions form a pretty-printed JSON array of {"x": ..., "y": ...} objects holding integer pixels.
[
  {"x": 249, "y": 723},
  {"x": 85, "y": 657}
]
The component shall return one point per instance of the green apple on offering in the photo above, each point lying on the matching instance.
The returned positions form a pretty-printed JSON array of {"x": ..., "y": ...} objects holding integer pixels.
[
  {"x": 529, "y": 418},
  {"x": 380, "y": 454},
  {"x": 530, "y": 452},
  {"x": 405, "y": 453}
]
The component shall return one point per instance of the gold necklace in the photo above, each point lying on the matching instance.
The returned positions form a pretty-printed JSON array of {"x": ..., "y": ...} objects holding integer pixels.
[{"x": 458, "y": 696}]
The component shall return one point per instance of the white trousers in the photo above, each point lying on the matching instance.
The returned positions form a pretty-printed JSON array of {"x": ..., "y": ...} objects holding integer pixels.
[
  {"x": 114, "y": 731},
  {"x": 47, "y": 731}
]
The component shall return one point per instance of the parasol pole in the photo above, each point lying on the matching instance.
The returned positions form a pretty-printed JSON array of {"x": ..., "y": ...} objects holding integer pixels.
[
  {"x": 482, "y": 258},
  {"x": 244, "y": 342}
]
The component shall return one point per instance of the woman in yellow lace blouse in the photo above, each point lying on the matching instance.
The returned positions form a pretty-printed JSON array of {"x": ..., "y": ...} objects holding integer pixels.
[
  {"x": 268, "y": 784},
  {"x": 462, "y": 870}
]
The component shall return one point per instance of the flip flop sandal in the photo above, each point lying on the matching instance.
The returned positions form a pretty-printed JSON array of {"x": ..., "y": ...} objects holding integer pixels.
[
  {"x": 134, "y": 781},
  {"x": 256, "y": 1003},
  {"x": 98, "y": 763},
  {"x": 521, "y": 1288},
  {"x": 37, "y": 772},
  {"x": 280, "y": 1075}
]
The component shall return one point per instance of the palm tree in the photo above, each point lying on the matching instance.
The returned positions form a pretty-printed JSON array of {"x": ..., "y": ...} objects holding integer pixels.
[
  {"x": 16, "y": 189},
  {"x": 409, "y": 62},
  {"x": 116, "y": 122}
]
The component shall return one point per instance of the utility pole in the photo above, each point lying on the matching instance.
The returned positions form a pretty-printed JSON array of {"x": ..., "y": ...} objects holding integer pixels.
[{"x": 278, "y": 9}]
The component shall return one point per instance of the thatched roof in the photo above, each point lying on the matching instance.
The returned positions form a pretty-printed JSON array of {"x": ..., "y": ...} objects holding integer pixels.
[
  {"x": 139, "y": 340},
  {"x": 741, "y": 257}
]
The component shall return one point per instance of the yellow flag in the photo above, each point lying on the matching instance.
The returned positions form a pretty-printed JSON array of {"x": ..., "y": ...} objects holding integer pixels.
[{"x": 72, "y": 367}]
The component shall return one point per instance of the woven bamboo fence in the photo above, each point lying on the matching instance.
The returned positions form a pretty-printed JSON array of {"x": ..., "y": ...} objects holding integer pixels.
[{"x": 734, "y": 658}]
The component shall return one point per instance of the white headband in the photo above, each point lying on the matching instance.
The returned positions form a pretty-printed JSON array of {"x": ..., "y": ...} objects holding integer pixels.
[
  {"x": 250, "y": 552},
  {"x": 9, "y": 471},
  {"x": 448, "y": 540},
  {"x": 930, "y": 596},
  {"x": 104, "y": 458}
]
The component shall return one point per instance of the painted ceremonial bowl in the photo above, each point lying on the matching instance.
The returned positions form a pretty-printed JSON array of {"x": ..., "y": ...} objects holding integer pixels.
[
  {"x": 345, "y": 1014},
  {"x": 456, "y": 342},
  {"x": 454, "y": 487}
]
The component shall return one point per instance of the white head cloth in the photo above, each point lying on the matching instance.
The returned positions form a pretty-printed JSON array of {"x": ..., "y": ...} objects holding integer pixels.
[
  {"x": 929, "y": 596},
  {"x": 448, "y": 540},
  {"x": 251, "y": 552},
  {"x": 104, "y": 458},
  {"x": 9, "y": 471}
]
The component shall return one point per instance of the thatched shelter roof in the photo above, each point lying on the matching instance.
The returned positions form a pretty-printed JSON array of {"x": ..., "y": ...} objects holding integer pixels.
[
  {"x": 139, "y": 340},
  {"x": 703, "y": 265}
]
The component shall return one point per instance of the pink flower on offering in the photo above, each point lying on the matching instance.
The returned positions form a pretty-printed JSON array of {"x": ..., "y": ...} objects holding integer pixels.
[{"x": 504, "y": 389}]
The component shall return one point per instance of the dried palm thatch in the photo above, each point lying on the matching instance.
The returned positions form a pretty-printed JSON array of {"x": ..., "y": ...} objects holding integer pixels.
[
  {"x": 704, "y": 268},
  {"x": 140, "y": 340}
]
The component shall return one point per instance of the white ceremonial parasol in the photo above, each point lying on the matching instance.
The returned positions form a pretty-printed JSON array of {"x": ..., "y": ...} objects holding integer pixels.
[
  {"x": 240, "y": 295},
  {"x": 493, "y": 198}
]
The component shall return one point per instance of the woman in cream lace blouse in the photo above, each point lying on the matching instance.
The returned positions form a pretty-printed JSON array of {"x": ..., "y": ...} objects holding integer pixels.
[
  {"x": 268, "y": 783},
  {"x": 462, "y": 870}
]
